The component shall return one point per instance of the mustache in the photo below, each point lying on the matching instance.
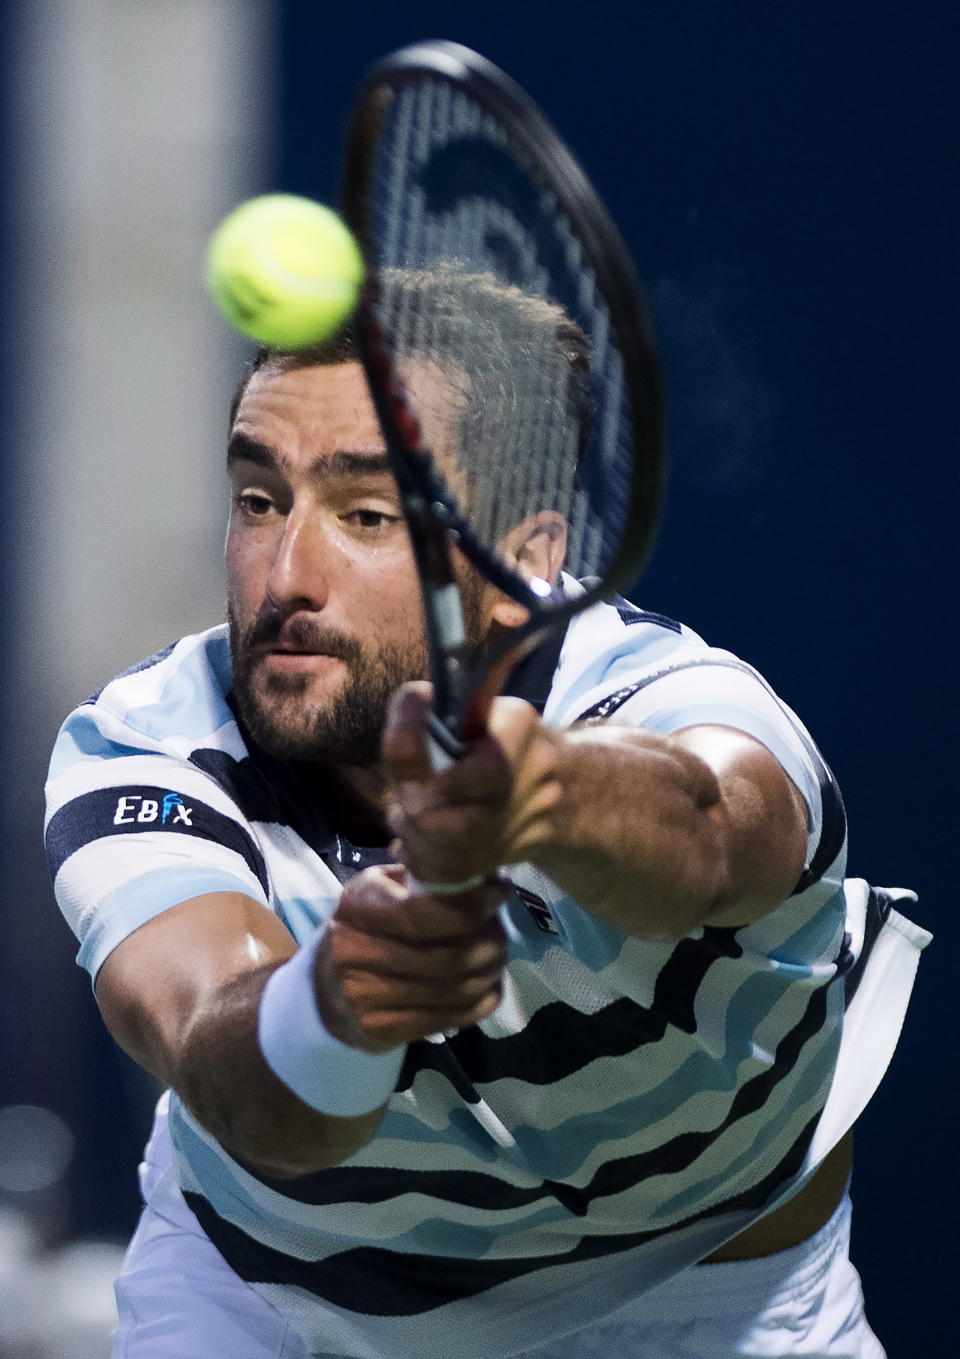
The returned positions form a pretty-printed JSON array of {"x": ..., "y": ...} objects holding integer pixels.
[{"x": 300, "y": 633}]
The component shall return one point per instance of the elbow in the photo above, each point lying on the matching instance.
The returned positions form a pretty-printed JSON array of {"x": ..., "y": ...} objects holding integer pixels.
[
  {"x": 265, "y": 1164},
  {"x": 281, "y": 1138},
  {"x": 748, "y": 896},
  {"x": 221, "y": 1077},
  {"x": 264, "y": 1126}
]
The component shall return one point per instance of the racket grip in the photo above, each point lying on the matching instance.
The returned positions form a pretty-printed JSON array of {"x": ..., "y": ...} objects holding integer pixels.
[
  {"x": 443, "y": 749},
  {"x": 452, "y": 889},
  {"x": 439, "y": 758},
  {"x": 444, "y": 889}
]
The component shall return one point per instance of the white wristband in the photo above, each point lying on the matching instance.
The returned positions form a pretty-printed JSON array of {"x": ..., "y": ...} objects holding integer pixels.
[{"x": 324, "y": 1073}]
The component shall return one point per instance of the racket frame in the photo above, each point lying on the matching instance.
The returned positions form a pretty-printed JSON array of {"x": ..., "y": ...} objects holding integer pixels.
[{"x": 462, "y": 683}]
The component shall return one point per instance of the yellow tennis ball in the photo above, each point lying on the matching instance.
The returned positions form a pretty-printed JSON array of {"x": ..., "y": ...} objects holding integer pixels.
[{"x": 284, "y": 270}]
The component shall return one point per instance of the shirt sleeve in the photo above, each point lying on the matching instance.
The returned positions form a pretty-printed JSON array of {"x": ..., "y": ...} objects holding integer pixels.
[
  {"x": 686, "y": 683},
  {"x": 721, "y": 691},
  {"x": 132, "y": 830}
]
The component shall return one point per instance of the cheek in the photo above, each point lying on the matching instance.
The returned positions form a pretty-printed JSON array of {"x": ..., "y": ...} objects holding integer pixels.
[
  {"x": 245, "y": 578},
  {"x": 394, "y": 598}
]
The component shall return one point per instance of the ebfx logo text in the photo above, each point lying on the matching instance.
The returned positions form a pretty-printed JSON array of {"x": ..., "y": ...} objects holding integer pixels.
[{"x": 144, "y": 810}]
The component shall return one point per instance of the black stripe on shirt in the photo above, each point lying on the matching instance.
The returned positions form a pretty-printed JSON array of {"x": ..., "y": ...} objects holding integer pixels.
[
  {"x": 476, "y": 1189},
  {"x": 142, "y": 808},
  {"x": 677, "y": 1155},
  {"x": 630, "y": 614},
  {"x": 372, "y": 1281},
  {"x": 559, "y": 1040},
  {"x": 256, "y": 797},
  {"x": 879, "y": 906}
]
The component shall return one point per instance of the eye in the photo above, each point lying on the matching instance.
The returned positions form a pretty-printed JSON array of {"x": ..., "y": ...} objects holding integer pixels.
[
  {"x": 253, "y": 504},
  {"x": 372, "y": 520}
]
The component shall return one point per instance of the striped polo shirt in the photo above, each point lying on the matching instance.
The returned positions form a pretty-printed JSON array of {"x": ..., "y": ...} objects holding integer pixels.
[{"x": 629, "y": 1106}]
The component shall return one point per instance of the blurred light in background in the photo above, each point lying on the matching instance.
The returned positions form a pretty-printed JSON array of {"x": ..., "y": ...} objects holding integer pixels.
[
  {"x": 36, "y": 1147},
  {"x": 55, "y": 1302},
  {"x": 130, "y": 129}
]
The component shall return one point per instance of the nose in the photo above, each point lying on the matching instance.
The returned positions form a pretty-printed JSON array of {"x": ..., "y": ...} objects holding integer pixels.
[{"x": 298, "y": 576}]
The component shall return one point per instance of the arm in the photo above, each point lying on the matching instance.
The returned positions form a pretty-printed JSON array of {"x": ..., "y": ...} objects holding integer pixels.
[
  {"x": 182, "y": 995},
  {"x": 658, "y": 834},
  {"x": 654, "y": 834}
]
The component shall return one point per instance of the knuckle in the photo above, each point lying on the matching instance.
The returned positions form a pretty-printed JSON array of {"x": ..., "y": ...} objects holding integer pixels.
[
  {"x": 510, "y": 714},
  {"x": 472, "y": 990},
  {"x": 380, "y": 1035},
  {"x": 485, "y": 957},
  {"x": 355, "y": 988}
]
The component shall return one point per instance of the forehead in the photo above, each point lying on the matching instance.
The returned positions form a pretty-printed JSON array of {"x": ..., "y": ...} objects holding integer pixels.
[
  {"x": 287, "y": 406},
  {"x": 321, "y": 408}
]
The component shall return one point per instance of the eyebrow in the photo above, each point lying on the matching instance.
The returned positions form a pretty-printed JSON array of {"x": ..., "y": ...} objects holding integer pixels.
[{"x": 342, "y": 462}]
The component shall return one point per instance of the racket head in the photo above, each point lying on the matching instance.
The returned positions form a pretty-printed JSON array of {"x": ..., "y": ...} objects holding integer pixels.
[{"x": 505, "y": 342}]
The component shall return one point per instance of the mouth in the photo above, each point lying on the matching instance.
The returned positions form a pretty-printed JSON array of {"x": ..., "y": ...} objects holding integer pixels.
[{"x": 286, "y": 661}]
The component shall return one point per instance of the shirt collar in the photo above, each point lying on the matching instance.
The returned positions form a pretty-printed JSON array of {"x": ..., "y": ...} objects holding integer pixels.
[{"x": 308, "y": 805}]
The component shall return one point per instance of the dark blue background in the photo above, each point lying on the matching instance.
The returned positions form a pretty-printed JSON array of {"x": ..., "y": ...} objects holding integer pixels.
[{"x": 784, "y": 175}]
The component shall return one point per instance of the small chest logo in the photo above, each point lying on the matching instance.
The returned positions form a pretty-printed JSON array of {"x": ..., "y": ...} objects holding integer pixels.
[
  {"x": 144, "y": 811},
  {"x": 539, "y": 909}
]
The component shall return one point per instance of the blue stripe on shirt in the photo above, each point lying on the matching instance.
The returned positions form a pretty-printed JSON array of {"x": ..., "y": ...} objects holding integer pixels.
[{"x": 132, "y": 905}]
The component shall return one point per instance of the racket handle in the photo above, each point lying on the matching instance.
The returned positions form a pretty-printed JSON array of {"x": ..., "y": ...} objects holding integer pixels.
[
  {"x": 440, "y": 759},
  {"x": 443, "y": 749},
  {"x": 444, "y": 889}
]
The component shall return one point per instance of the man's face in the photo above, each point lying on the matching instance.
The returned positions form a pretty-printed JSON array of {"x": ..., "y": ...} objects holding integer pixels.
[{"x": 324, "y": 606}]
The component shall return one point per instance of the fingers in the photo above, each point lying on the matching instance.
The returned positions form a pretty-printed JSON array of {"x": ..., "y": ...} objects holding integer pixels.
[
  {"x": 378, "y": 902},
  {"x": 490, "y": 808},
  {"x": 393, "y": 967},
  {"x": 424, "y": 961},
  {"x": 483, "y": 774},
  {"x": 367, "y": 996},
  {"x": 404, "y": 743},
  {"x": 381, "y": 1030}
]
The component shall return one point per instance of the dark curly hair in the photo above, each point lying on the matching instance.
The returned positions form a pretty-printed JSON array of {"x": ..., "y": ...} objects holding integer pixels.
[{"x": 518, "y": 363}]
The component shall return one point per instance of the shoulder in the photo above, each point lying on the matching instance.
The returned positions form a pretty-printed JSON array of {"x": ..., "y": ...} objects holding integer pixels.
[
  {"x": 611, "y": 646},
  {"x": 630, "y": 666},
  {"x": 181, "y": 689},
  {"x": 140, "y": 813},
  {"x": 169, "y": 703},
  {"x": 125, "y": 759},
  {"x": 634, "y": 667}
]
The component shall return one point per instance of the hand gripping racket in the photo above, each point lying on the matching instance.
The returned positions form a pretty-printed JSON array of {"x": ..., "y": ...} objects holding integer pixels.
[{"x": 508, "y": 358}]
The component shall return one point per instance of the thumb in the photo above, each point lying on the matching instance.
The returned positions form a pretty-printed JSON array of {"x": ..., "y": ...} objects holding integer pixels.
[{"x": 404, "y": 750}]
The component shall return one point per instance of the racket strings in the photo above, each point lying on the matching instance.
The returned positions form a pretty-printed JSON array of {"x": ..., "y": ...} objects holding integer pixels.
[{"x": 486, "y": 292}]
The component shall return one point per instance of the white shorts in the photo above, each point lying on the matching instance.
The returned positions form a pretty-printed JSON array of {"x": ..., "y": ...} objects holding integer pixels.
[{"x": 178, "y": 1299}]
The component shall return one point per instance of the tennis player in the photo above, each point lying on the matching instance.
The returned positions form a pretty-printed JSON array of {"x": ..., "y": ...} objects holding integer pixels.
[{"x": 556, "y": 1052}]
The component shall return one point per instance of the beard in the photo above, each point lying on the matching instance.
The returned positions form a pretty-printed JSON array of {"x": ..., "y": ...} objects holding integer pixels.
[{"x": 343, "y": 728}]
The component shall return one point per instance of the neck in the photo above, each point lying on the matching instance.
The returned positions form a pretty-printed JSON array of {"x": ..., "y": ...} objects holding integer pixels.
[
  {"x": 360, "y": 795},
  {"x": 368, "y": 786}
]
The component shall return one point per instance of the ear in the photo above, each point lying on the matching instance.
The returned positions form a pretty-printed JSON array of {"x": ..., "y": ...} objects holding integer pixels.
[{"x": 535, "y": 548}]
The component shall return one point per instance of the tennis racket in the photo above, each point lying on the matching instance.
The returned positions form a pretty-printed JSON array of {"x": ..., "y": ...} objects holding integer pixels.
[{"x": 509, "y": 361}]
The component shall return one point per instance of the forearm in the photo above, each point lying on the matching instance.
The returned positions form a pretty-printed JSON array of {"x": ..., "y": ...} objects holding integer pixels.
[
  {"x": 655, "y": 839},
  {"x": 655, "y": 834},
  {"x": 326, "y": 1030},
  {"x": 223, "y": 1078},
  {"x": 637, "y": 833}
]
